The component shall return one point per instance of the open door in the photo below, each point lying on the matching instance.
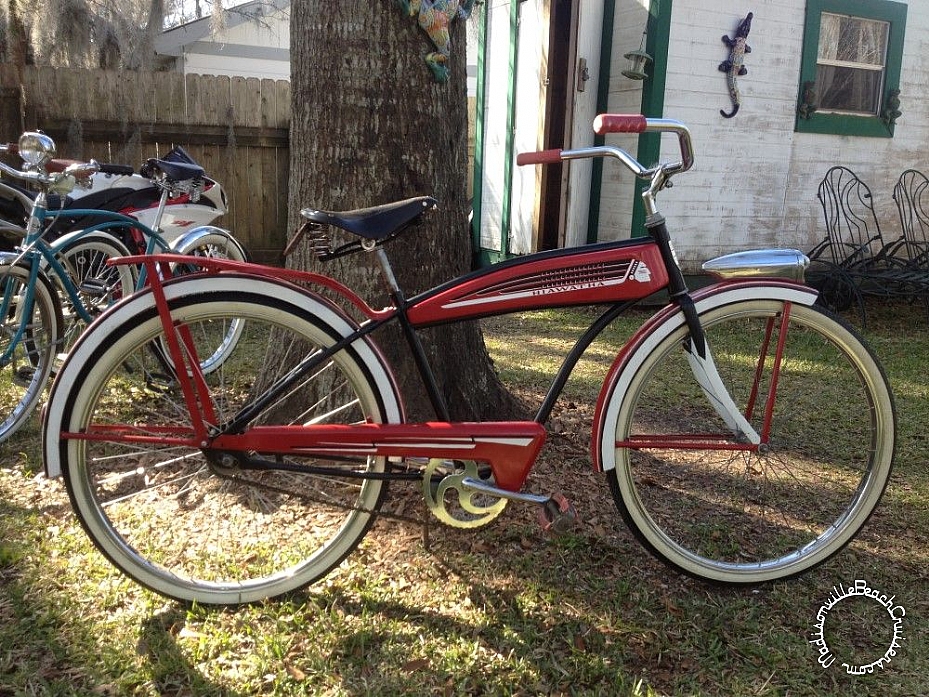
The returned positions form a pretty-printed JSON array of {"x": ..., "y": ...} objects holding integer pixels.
[
  {"x": 557, "y": 121},
  {"x": 583, "y": 109},
  {"x": 540, "y": 71},
  {"x": 573, "y": 76}
]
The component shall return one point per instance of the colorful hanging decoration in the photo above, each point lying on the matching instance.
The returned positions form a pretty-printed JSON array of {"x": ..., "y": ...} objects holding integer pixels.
[{"x": 434, "y": 16}]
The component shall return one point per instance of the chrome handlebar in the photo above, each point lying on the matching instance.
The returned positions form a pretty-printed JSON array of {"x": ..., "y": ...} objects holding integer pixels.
[
  {"x": 57, "y": 182},
  {"x": 625, "y": 123},
  {"x": 658, "y": 175}
]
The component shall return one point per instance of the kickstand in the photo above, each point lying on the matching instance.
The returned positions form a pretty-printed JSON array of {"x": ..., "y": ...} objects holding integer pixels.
[{"x": 427, "y": 543}]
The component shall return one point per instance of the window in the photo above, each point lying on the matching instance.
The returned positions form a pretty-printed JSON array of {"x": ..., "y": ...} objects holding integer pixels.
[
  {"x": 850, "y": 71},
  {"x": 851, "y": 63}
]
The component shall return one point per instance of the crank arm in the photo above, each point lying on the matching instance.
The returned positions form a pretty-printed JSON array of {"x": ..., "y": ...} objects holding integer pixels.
[{"x": 479, "y": 487}]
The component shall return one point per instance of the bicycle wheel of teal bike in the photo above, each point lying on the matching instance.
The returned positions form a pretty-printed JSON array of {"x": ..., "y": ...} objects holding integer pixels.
[
  {"x": 99, "y": 285},
  {"x": 751, "y": 515},
  {"x": 198, "y": 525},
  {"x": 26, "y": 345}
]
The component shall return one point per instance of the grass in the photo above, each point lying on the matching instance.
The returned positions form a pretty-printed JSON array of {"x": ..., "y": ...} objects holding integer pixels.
[{"x": 498, "y": 611}]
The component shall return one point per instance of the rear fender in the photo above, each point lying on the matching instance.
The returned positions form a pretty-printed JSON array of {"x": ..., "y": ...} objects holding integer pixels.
[{"x": 109, "y": 323}]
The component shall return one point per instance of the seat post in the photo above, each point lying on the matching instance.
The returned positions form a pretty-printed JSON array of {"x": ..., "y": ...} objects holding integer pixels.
[
  {"x": 416, "y": 347},
  {"x": 387, "y": 273}
]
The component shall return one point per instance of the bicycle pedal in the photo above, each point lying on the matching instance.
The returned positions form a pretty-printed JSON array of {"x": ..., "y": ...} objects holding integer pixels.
[
  {"x": 94, "y": 288},
  {"x": 558, "y": 515}
]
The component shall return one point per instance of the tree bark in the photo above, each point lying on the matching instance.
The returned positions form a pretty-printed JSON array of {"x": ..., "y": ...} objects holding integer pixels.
[{"x": 370, "y": 125}]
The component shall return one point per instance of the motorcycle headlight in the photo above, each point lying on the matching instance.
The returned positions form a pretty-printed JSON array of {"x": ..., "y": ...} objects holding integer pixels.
[{"x": 36, "y": 149}]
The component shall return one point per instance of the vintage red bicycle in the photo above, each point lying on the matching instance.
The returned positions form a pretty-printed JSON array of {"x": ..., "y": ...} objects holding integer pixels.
[{"x": 745, "y": 433}]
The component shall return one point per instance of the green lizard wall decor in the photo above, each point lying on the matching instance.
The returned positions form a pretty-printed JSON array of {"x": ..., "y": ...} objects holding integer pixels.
[{"x": 733, "y": 66}]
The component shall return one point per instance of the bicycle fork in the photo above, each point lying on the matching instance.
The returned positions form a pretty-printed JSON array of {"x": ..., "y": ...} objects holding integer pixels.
[
  {"x": 707, "y": 376},
  {"x": 700, "y": 356},
  {"x": 17, "y": 305}
]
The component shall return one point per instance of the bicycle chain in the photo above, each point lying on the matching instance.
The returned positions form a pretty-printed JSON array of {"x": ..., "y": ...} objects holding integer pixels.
[{"x": 314, "y": 499}]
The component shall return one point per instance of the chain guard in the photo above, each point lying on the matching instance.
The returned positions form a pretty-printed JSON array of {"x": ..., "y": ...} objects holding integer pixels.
[{"x": 453, "y": 505}]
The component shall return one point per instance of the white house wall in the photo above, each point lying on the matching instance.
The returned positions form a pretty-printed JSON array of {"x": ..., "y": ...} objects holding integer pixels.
[
  {"x": 247, "y": 46},
  {"x": 222, "y": 64},
  {"x": 755, "y": 180}
]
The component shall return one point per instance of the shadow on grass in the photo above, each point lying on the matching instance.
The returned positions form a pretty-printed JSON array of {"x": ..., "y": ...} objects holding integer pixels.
[
  {"x": 170, "y": 670},
  {"x": 587, "y": 615},
  {"x": 504, "y": 610},
  {"x": 47, "y": 648}
]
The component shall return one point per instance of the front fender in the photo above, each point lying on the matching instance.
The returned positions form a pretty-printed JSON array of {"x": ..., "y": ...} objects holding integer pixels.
[{"x": 667, "y": 320}]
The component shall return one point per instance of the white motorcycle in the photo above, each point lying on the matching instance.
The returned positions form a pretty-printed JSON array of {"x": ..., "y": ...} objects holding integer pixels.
[{"x": 184, "y": 219}]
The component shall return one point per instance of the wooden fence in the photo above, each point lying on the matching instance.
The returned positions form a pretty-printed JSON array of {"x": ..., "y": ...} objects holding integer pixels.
[{"x": 236, "y": 128}]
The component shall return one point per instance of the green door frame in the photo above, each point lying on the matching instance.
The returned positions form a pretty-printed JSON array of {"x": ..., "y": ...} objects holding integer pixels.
[
  {"x": 477, "y": 183},
  {"x": 653, "y": 91},
  {"x": 603, "y": 104}
]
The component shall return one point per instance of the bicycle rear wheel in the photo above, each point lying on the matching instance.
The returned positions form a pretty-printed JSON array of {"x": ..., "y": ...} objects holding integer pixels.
[
  {"x": 25, "y": 357},
  {"x": 198, "y": 525},
  {"x": 734, "y": 515}
]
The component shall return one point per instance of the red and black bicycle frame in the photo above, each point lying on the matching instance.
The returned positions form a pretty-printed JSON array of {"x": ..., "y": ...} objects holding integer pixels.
[{"x": 617, "y": 274}]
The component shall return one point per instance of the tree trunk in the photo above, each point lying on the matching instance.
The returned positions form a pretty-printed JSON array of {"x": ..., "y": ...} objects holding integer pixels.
[
  {"x": 18, "y": 46},
  {"x": 371, "y": 125}
]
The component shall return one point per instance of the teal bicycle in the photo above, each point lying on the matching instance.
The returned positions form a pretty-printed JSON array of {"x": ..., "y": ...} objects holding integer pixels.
[{"x": 52, "y": 289}]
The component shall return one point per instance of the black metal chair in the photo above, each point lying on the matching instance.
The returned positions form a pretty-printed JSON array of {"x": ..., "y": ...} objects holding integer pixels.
[
  {"x": 910, "y": 195},
  {"x": 854, "y": 261}
]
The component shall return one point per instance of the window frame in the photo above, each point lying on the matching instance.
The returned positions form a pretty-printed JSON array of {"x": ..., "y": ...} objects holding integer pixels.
[{"x": 894, "y": 13}]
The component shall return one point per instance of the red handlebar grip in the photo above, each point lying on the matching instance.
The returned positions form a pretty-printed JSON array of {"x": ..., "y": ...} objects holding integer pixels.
[
  {"x": 543, "y": 157},
  {"x": 620, "y": 123},
  {"x": 60, "y": 165}
]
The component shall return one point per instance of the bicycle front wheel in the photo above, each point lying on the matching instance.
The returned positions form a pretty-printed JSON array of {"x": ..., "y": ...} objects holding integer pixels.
[
  {"x": 197, "y": 525},
  {"x": 725, "y": 511},
  {"x": 29, "y": 330}
]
